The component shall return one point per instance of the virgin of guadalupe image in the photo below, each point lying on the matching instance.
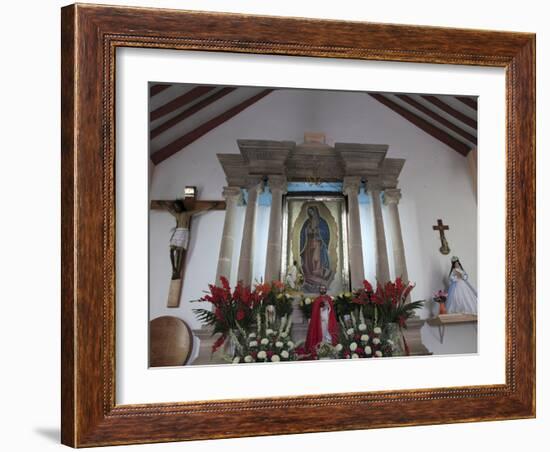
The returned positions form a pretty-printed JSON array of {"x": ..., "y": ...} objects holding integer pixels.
[
  {"x": 462, "y": 297},
  {"x": 314, "y": 243}
]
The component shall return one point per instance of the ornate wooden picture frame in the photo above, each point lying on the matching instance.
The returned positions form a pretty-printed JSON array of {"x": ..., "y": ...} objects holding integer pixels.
[{"x": 90, "y": 37}]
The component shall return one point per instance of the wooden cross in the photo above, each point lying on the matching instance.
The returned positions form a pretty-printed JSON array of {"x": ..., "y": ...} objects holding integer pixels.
[
  {"x": 183, "y": 210},
  {"x": 444, "y": 249}
]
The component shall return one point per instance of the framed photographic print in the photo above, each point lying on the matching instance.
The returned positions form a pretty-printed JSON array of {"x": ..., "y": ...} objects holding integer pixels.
[{"x": 259, "y": 201}]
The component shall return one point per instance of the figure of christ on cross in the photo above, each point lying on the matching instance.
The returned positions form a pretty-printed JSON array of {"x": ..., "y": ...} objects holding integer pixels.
[
  {"x": 444, "y": 249},
  {"x": 183, "y": 210}
]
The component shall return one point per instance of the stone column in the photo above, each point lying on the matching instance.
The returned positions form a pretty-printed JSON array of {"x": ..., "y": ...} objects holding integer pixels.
[
  {"x": 277, "y": 184},
  {"x": 247, "y": 245},
  {"x": 391, "y": 199},
  {"x": 382, "y": 265},
  {"x": 355, "y": 243},
  {"x": 232, "y": 197}
]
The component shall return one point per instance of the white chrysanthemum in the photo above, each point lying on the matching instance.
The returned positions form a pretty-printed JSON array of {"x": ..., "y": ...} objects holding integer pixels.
[
  {"x": 284, "y": 334},
  {"x": 339, "y": 347},
  {"x": 236, "y": 360},
  {"x": 353, "y": 346},
  {"x": 362, "y": 327},
  {"x": 284, "y": 354},
  {"x": 290, "y": 344},
  {"x": 378, "y": 353},
  {"x": 354, "y": 356},
  {"x": 248, "y": 359},
  {"x": 350, "y": 331},
  {"x": 278, "y": 344},
  {"x": 365, "y": 338},
  {"x": 376, "y": 341},
  {"x": 251, "y": 335},
  {"x": 262, "y": 355},
  {"x": 368, "y": 350},
  {"x": 264, "y": 341},
  {"x": 377, "y": 330},
  {"x": 253, "y": 344},
  {"x": 269, "y": 331},
  {"x": 308, "y": 300},
  {"x": 275, "y": 358}
]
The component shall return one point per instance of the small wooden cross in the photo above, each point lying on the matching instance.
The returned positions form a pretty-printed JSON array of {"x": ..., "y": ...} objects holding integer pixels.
[
  {"x": 183, "y": 210},
  {"x": 444, "y": 249}
]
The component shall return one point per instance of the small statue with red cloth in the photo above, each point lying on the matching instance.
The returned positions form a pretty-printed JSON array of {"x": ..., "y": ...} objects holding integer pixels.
[{"x": 323, "y": 326}]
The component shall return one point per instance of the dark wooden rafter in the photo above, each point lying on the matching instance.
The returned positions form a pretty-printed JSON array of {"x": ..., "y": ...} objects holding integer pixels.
[
  {"x": 158, "y": 88},
  {"x": 420, "y": 107},
  {"x": 467, "y": 101},
  {"x": 183, "y": 141},
  {"x": 427, "y": 127},
  {"x": 451, "y": 111},
  {"x": 180, "y": 101},
  {"x": 190, "y": 111}
]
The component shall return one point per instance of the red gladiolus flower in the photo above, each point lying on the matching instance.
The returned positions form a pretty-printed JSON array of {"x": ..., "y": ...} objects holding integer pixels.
[{"x": 240, "y": 314}]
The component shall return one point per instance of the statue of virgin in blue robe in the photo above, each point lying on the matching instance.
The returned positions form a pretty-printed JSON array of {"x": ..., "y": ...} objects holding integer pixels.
[{"x": 314, "y": 243}]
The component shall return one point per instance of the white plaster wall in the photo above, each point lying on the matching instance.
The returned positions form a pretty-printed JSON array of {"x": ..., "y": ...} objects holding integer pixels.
[{"x": 435, "y": 183}]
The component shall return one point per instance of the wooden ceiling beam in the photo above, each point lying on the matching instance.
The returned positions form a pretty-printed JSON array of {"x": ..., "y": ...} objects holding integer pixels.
[
  {"x": 180, "y": 101},
  {"x": 467, "y": 101},
  {"x": 440, "y": 119},
  {"x": 451, "y": 111},
  {"x": 427, "y": 127},
  {"x": 183, "y": 141},
  {"x": 190, "y": 111},
  {"x": 159, "y": 88}
]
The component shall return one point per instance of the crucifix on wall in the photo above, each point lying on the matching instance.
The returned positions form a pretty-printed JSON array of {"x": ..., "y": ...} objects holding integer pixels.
[
  {"x": 444, "y": 249},
  {"x": 182, "y": 210}
]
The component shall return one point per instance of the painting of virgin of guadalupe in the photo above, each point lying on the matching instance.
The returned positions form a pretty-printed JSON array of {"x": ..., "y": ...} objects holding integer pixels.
[{"x": 314, "y": 251}]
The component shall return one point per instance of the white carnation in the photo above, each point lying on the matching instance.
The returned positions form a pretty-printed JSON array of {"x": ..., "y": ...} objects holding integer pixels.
[
  {"x": 308, "y": 300},
  {"x": 350, "y": 331},
  {"x": 368, "y": 350},
  {"x": 251, "y": 335},
  {"x": 365, "y": 337},
  {"x": 354, "y": 356},
  {"x": 275, "y": 358},
  {"x": 278, "y": 344},
  {"x": 353, "y": 346},
  {"x": 269, "y": 331},
  {"x": 362, "y": 327},
  {"x": 284, "y": 354},
  {"x": 264, "y": 341},
  {"x": 290, "y": 345},
  {"x": 284, "y": 334},
  {"x": 339, "y": 347},
  {"x": 377, "y": 330},
  {"x": 378, "y": 354},
  {"x": 236, "y": 360},
  {"x": 390, "y": 342},
  {"x": 248, "y": 359},
  {"x": 253, "y": 344},
  {"x": 261, "y": 355},
  {"x": 376, "y": 341}
]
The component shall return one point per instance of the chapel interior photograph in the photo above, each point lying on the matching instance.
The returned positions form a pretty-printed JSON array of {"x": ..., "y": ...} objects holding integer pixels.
[{"x": 291, "y": 225}]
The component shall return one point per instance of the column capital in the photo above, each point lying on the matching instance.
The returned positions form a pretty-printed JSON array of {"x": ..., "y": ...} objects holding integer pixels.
[
  {"x": 232, "y": 193},
  {"x": 373, "y": 185},
  {"x": 254, "y": 183},
  {"x": 277, "y": 182},
  {"x": 352, "y": 184},
  {"x": 392, "y": 196}
]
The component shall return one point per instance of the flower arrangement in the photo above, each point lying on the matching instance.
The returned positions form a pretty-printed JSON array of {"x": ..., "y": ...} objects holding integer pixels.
[
  {"x": 358, "y": 341},
  {"x": 270, "y": 342},
  {"x": 239, "y": 309},
  {"x": 305, "y": 305},
  {"x": 440, "y": 297},
  {"x": 387, "y": 304}
]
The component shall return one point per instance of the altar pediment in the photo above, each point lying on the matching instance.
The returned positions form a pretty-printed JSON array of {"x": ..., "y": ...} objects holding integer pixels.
[{"x": 299, "y": 162}]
